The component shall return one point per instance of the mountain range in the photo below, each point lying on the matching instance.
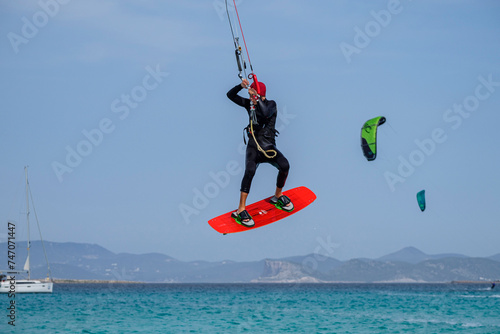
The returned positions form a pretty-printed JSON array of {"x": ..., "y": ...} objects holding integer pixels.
[{"x": 82, "y": 261}]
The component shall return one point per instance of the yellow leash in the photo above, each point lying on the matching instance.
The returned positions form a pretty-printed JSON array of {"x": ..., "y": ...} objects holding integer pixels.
[{"x": 258, "y": 146}]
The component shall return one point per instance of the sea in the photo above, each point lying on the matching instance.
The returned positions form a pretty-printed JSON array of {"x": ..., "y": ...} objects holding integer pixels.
[{"x": 255, "y": 308}]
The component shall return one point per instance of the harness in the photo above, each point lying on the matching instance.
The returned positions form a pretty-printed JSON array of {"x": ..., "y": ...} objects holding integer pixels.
[
  {"x": 249, "y": 130},
  {"x": 240, "y": 61}
]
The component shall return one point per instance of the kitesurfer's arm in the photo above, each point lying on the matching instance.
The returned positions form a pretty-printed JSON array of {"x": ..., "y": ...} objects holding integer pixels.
[{"x": 233, "y": 96}]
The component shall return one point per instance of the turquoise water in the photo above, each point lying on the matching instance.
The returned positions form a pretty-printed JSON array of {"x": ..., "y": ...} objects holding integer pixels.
[{"x": 257, "y": 308}]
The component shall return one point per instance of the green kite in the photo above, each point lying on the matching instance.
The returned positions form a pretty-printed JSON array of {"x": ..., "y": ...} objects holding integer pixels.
[{"x": 369, "y": 137}]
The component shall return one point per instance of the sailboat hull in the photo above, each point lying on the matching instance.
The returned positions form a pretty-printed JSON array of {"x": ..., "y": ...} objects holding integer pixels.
[{"x": 26, "y": 286}]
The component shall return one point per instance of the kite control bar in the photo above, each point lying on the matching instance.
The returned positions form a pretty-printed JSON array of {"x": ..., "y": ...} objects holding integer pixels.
[{"x": 240, "y": 60}]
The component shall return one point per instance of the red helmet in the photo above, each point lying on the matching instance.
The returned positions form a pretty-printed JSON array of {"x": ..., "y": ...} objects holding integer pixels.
[{"x": 261, "y": 88}]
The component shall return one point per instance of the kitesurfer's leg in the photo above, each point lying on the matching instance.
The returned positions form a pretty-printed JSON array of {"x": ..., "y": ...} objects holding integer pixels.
[
  {"x": 278, "y": 193},
  {"x": 251, "y": 165},
  {"x": 243, "y": 201},
  {"x": 281, "y": 163}
]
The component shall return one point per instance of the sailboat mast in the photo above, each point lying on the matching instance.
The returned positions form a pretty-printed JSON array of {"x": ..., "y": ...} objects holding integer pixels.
[{"x": 28, "y": 223}]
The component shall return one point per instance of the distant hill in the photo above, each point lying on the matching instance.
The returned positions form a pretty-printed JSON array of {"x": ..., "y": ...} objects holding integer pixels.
[
  {"x": 90, "y": 261},
  {"x": 93, "y": 262},
  {"x": 495, "y": 257},
  {"x": 440, "y": 270},
  {"x": 314, "y": 262},
  {"x": 413, "y": 255}
]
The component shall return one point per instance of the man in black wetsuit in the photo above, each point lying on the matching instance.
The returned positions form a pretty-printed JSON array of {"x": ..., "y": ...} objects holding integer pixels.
[{"x": 262, "y": 114}]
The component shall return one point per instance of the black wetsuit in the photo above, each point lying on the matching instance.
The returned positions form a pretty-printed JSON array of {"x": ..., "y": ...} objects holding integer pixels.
[{"x": 265, "y": 133}]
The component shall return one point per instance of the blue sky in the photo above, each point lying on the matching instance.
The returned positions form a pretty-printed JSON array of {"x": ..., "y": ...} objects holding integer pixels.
[{"x": 120, "y": 110}]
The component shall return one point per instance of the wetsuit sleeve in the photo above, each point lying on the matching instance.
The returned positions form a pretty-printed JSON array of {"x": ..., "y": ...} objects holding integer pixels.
[
  {"x": 233, "y": 96},
  {"x": 267, "y": 109}
]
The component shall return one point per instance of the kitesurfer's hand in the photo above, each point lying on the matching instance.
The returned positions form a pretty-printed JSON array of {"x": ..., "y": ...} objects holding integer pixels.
[
  {"x": 253, "y": 95},
  {"x": 244, "y": 83}
]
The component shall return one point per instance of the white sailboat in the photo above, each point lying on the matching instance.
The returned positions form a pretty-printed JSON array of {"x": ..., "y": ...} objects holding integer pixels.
[{"x": 9, "y": 281}]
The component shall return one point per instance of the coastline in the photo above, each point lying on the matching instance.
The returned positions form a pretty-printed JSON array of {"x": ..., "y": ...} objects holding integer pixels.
[
  {"x": 86, "y": 281},
  {"x": 92, "y": 281}
]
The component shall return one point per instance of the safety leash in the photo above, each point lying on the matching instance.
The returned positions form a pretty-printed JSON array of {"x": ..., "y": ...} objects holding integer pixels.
[{"x": 273, "y": 152}]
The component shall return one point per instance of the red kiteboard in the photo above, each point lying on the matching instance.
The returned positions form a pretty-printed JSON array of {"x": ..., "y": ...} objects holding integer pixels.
[{"x": 263, "y": 212}]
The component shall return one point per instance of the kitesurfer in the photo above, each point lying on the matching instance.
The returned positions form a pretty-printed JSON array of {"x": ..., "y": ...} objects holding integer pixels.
[{"x": 262, "y": 113}]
